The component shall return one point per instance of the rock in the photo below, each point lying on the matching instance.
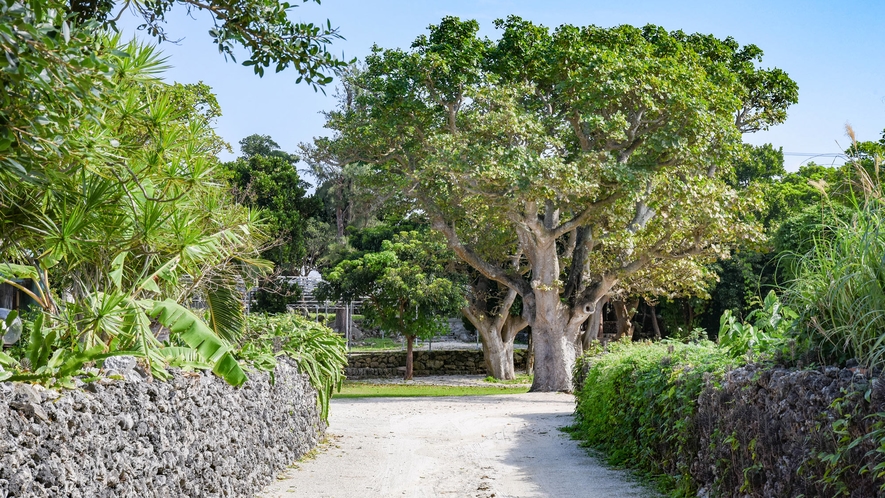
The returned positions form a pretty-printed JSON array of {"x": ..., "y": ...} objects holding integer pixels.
[
  {"x": 119, "y": 363},
  {"x": 26, "y": 393},
  {"x": 30, "y": 410}
]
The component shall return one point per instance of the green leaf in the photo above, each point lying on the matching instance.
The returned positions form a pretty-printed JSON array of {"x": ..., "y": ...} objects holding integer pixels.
[
  {"x": 11, "y": 271},
  {"x": 225, "y": 313},
  {"x": 117, "y": 269},
  {"x": 196, "y": 334}
]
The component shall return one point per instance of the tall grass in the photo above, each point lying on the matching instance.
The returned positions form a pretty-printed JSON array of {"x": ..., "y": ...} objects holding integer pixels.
[{"x": 839, "y": 285}]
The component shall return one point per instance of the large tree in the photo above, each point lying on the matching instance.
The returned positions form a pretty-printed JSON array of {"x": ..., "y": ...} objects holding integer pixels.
[
  {"x": 266, "y": 178},
  {"x": 599, "y": 151}
]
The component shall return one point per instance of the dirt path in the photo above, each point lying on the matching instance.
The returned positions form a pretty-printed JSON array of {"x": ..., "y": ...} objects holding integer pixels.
[{"x": 480, "y": 446}]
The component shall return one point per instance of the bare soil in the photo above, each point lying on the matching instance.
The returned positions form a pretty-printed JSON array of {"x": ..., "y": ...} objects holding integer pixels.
[{"x": 481, "y": 446}]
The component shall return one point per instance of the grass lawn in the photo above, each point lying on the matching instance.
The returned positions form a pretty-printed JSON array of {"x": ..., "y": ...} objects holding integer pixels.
[
  {"x": 377, "y": 344},
  {"x": 366, "y": 390},
  {"x": 520, "y": 379}
]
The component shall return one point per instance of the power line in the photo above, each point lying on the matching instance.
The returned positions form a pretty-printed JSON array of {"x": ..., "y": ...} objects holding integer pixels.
[{"x": 815, "y": 154}]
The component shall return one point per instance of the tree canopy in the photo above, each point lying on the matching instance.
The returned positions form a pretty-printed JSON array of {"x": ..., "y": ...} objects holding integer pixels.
[
  {"x": 594, "y": 153},
  {"x": 407, "y": 286}
]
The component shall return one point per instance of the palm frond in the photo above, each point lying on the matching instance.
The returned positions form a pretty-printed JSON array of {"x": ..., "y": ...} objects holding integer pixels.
[{"x": 226, "y": 317}]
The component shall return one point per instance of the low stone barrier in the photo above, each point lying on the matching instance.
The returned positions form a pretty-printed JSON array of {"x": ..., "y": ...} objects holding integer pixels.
[
  {"x": 445, "y": 362},
  {"x": 770, "y": 432},
  {"x": 191, "y": 436}
]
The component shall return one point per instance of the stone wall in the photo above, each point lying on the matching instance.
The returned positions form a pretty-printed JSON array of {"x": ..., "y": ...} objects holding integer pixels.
[
  {"x": 192, "y": 436},
  {"x": 763, "y": 432},
  {"x": 445, "y": 362}
]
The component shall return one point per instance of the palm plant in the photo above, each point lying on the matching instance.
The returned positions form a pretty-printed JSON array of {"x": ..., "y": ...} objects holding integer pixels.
[{"x": 128, "y": 221}]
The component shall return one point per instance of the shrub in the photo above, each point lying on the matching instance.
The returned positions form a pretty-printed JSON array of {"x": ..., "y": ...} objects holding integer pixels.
[
  {"x": 839, "y": 285},
  {"x": 637, "y": 402}
]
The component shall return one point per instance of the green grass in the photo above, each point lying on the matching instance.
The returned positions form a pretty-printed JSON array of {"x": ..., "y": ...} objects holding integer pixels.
[
  {"x": 366, "y": 390},
  {"x": 377, "y": 344},
  {"x": 520, "y": 379},
  {"x": 839, "y": 287}
]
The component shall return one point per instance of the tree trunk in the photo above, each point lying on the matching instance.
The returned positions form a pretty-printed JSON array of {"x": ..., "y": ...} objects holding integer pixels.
[
  {"x": 499, "y": 358},
  {"x": 410, "y": 341},
  {"x": 530, "y": 356},
  {"x": 555, "y": 324},
  {"x": 497, "y": 345},
  {"x": 624, "y": 312},
  {"x": 654, "y": 322},
  {"x": 339, "y": 222},
  {"x": 594, "y": 324},
  {"x": 555, "y": 354},
  {"x": 496, "y": 327}
]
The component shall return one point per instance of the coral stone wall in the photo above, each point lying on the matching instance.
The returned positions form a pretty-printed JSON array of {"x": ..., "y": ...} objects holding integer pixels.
[
  {"x": 770, "y": 431},
  {"x": 446, "y": 362},
  {"x": 191, "y": 436}
]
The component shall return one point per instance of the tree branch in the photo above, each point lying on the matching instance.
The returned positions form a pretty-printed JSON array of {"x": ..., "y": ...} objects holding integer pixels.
[
  {"x": 470, "y": 257},
  {"x": 582, "y": 218}
]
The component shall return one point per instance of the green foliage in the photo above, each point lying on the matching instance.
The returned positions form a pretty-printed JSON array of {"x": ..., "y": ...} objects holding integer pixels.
[
  {"x": 126, "y": 217},
  {"x": 407, "y": 285},
  {"x": 271, "y": 183},
  {"x": 637, "y": 401},
  {"x": 597, "y": 155},
  {"x": 274, "y": 296},
  {"x": 854, "y": 451},
  {"x": 202, "y": 339},
  {"x": 839, "y": 286},
  {"x": 765, "y": 331},
  {"x": 47, "y": 363},
  {"x": 319, "y": 352},
  {"x": 262, "y": 27},
  {"x": 50, "y": 80}
]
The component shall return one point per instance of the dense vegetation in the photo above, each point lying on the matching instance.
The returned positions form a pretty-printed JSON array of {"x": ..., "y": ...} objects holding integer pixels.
[
  {"x": 598, "y": 158},
  {"x": 637, "y": 403},
  {"x": 556, "y": 180},
  {"x": 118, "y": 225}
]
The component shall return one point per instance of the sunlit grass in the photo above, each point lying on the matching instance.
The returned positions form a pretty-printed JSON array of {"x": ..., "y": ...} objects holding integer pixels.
[
  {"x": 520, "y": 379},
  {"x": 377, "y": 344},
  {"x": 368, "y": 390}
]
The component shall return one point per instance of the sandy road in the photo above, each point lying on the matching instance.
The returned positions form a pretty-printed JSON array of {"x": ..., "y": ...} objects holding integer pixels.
[{"x": 481, "y": 446}]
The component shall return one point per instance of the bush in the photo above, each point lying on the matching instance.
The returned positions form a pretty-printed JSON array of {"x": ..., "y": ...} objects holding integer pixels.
[
  {"x": 839, "y": 286},
  {"x": 637, "y": 402}
]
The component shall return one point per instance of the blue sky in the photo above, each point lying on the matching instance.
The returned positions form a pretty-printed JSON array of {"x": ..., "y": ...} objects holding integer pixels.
[{"x": 834, "y": 50}]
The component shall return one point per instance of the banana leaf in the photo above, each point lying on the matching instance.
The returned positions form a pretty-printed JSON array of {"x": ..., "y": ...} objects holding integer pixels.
[
  {"x": 225, "y": 313},
  {"x": 196, "y": 334}
]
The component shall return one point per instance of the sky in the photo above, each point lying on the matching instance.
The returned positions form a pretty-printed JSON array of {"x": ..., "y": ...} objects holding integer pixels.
[{"x": 835, "y": 51}]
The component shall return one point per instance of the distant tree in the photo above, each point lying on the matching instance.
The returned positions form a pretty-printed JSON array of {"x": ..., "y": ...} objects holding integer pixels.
[
  {"x": 266, "y": 178},
  {"x": 406, "y": 285},
  {"x": 264, "y": 145}
]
